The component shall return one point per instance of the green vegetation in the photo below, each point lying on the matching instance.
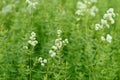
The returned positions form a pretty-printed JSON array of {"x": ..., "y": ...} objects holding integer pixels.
[{"x": 48, "y": 40}]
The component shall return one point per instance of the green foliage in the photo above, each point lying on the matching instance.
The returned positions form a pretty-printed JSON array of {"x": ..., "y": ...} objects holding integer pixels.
[{"x": 85, "y": 57}]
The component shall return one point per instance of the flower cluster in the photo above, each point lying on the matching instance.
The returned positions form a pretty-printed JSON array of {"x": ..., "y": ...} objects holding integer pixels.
[
  {"x": 108, "y": 16},
  {"x": 42, "y": 61},
  {"x": 59, "y": 43},
  {"x": 33, "y": 40},
  {"x": 83, "y": 7},
  {"x": 31, "y": 4},
  {"x": 108, "y": 38},
  {"x": 93, "y": 10}
]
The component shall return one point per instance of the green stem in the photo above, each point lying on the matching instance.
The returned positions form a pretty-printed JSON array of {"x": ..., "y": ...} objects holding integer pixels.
[
  {"x": 60, "y": 57},
  {"x": 30, "y": 68},
  {"x": 30, "y": 57},
  {"x": 30, "y": 63}
]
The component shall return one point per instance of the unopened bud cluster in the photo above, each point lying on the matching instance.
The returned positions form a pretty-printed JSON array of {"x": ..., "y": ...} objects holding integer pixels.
[
  {"x": 59, "y": 43},
  {"x": 42, "y": 61},
  {"x": 33, "y": 40},
  {"x": 25, "y": 47}
]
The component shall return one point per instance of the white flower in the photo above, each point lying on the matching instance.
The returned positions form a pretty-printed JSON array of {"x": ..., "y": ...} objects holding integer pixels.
[
  {"x": 109, "y": 38},
  {"x": 31, "y": 4},
  {"x": 54, "y": 48},
  {"x": 93, "y": 10},
  {"x": 29, "y": 41},
  {"x": 59, "y": 32},
  {"x": 104, "y": 23},
  {"x": 109, "y": 17},
  {"x": 111, "y": 10},
  {"x": 40, "y": 59},
  {"x": 52, "y": 53},
  {"x": 42, "y": 64},
  {"x": 65, "y": 42},
  {"x": 33, "y": 34},
  {"x": 112, "y": 20},
  {"x": 45, "y": 60},
  {"x": 33, "y": 40},
  {"x": 98, "y": 26},
  {"x": 103, "y": 38},
  {"x": 33, "y": 43},
  {"x": 79, "y": 12},
  {"x": 58, "y": 43},
  {"x": 81, "y": 5}
]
